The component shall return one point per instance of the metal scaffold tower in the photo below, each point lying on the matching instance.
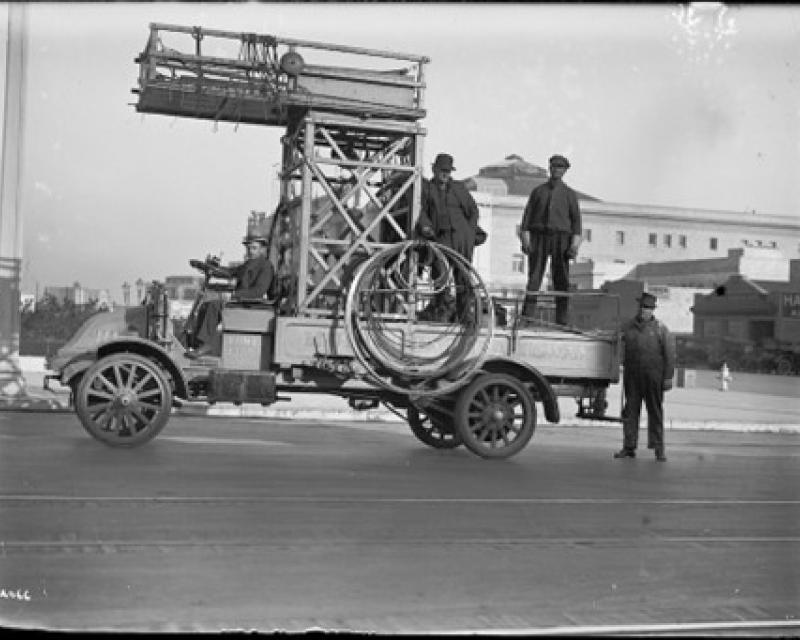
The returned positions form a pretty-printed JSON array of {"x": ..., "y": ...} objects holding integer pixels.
[{"x": 351, "y": 174}]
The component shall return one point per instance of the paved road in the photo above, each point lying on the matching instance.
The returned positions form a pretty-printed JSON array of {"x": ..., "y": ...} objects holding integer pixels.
[{"x": 249, "y": 524}]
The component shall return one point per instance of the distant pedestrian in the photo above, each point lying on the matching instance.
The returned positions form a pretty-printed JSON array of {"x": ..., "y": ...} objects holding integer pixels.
[
  {"x": 724, "y": 377},
  {"x": 551, "y": 228},
  {"x": 649, "y": 363}
]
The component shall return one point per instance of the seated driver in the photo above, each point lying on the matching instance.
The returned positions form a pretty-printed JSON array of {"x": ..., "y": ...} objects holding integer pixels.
[{"x": 254, "y": 281}]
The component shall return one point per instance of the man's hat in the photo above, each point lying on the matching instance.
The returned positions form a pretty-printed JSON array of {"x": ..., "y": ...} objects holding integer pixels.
[
  {"x": 559, "y": 161},
  {"x": 647, "y": 300},
  {"x": 252, "y": 237},
  {"x": 444, "y": 161}
]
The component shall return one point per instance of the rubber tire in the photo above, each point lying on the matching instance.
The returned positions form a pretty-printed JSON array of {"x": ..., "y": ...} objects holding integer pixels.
[
  {"x": 474, "y": 397},
  {"x": 158, "y": 386},
  {"x": 434, "y": 435}
]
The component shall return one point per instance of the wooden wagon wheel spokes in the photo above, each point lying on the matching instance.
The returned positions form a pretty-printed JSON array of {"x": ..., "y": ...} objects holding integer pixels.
[
  {"x": 132, "y": 402},
  {"x": 124, "y": 399},
  {"x": 496, "y": 415}
]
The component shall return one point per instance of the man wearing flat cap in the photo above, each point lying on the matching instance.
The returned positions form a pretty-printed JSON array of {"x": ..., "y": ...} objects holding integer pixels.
[
  {"x": 551, "y": 228},
  {"x": 449, "y": 216},
  {"x": 648, "y": 361}
]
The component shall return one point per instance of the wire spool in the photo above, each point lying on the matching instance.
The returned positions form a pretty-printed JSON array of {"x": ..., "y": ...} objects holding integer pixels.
[{"x": 388, "y": 318}]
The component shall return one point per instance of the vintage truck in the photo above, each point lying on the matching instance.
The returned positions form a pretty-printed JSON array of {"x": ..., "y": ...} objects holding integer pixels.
[{"x": 347, "y": 318}]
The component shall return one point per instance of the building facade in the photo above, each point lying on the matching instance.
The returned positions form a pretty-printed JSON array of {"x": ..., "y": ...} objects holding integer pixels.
[
  {"x": 81, "y": 296},
  {"x": 751, "y": 323}
]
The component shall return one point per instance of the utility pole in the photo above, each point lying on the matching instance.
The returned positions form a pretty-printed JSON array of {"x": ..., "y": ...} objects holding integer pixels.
[{"x": 11, "y": 380}]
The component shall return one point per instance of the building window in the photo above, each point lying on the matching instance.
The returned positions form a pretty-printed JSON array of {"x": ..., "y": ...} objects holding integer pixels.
[
  {"x": 620, "y": 237},
  {"x": 518, "y": 263},
  {"x": 712, "y": 243},
  {"x": 667, "y": 240},
  {"x": 652, "y": 239},
  {"x": 682, "y": 241},
  {"x": 519, "y": 230},
  {"x": 587, "y": 235},
  {"x": 773, "y": 244}
]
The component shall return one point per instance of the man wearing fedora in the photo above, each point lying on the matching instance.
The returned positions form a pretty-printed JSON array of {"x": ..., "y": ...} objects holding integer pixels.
[
  {"x": 550, "y": 228},
  {"x": 449, "y": 216},
  {"x": 648, "y": 361}
]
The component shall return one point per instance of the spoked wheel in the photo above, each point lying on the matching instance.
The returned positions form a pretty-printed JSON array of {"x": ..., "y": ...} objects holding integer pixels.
[
  {"x": 495, "y": 415},
  {"x": 435, "y": 432},
  {"x": 124, "y": 400}
]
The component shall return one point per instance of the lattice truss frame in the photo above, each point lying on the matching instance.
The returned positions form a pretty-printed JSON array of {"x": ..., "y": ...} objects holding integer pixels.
[{"x": 352, "y": 188}]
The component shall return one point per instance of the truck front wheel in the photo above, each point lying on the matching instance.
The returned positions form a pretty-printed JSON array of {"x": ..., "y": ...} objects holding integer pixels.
[{"x": 124, "y": 400}]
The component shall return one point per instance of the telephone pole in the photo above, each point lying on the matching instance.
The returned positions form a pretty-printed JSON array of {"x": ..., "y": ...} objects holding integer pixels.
[{"x": 11, "y": 381}]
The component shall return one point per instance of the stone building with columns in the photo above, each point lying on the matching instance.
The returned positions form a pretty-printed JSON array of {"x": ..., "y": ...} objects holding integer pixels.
[{"x": 620, "y": 239}]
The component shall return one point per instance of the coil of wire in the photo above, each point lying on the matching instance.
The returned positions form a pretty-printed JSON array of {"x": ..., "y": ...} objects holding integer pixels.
[{"x": 419, "y": 318}]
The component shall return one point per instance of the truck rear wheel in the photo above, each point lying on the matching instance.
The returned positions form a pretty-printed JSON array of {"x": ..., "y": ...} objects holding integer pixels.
[
  {"x": 495, "y": 415},
  {"x": 124, "y": 400},
  {"x": 432, "y": 431}
]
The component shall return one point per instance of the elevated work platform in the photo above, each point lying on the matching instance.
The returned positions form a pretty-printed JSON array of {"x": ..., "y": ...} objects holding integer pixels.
[{"x": 263, "y": 79}]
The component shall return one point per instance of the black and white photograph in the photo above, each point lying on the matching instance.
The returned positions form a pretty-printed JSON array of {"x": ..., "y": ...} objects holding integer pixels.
[{"x": 400, "y": 318}]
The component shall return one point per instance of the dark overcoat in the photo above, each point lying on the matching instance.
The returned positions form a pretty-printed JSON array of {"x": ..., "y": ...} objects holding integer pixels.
[
  {"x": 254, "y": 278},
  {"x": 454, "y": 226}
]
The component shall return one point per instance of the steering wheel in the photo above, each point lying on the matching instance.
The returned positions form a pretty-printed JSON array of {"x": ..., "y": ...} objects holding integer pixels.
[{"x": 209, "y": 269}]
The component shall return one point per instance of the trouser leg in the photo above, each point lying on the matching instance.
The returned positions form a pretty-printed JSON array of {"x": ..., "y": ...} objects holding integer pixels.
[
  {"x": 441, "y": 270},
  {"x": 438, "y": 272},
  {"x": 559, "y": 265},
  {"x": 208, "y": 332},
  {"x": 193, "y": 323},
  {"x": 463, "y": 243},
  {"x": 631, "y": 413},
  {"x": 654, "y": 401},
  {"x": 537, "y": 260}
]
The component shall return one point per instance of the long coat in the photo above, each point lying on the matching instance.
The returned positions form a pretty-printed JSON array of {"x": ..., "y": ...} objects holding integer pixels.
[
  {"x": 648, "y": 349},
  {"x": 453, "y": 227}
]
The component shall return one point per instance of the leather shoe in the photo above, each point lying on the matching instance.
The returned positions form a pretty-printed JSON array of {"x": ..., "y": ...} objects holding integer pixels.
[
  {"x": 625, "y": 453},
  {"x": 660, "y": 455},
  {"x": 194, "y": 354}
]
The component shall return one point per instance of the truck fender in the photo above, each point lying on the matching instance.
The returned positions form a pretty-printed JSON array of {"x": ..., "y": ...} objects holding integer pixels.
[
  {"x": 132, "y": 345},
  {"x": 530, "y": 375},
  {"x": 75, "y": 367}
]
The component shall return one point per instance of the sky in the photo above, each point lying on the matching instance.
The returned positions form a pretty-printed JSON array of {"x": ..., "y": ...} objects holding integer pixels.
[{"x": 692, "y": 106}]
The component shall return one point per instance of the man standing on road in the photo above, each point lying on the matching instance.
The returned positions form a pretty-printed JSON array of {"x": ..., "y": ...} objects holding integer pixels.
[
  {"x": 649, "y": 364},
  {"x": 551, "y": 228},
  {"x": 449, "y": 216}
]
